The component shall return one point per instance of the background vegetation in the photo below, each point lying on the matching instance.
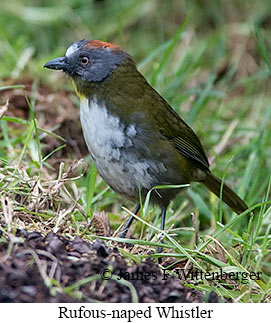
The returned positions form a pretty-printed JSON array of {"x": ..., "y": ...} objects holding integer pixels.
[{"x": 209, "y": 59}]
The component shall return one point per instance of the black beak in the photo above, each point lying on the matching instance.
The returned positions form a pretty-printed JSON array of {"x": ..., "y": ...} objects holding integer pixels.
[{"x": 59, "y": 63}]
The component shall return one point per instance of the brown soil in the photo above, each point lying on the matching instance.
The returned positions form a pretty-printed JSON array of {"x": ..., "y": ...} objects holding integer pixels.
[
  {"x": 54, "y": 112},
  {"x": 27, "y": 269}
]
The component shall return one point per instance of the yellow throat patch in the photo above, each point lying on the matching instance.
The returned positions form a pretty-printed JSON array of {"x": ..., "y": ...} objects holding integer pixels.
[{"x": 80, "y": 95}]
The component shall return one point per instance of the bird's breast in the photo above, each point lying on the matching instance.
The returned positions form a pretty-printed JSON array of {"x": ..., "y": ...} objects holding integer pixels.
[
  {"x": 118, "y": 150},
  {"x": 103, "y": 132}
]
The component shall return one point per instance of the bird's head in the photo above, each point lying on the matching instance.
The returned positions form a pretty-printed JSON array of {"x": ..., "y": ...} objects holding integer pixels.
[{"x": 89, "y": 61}]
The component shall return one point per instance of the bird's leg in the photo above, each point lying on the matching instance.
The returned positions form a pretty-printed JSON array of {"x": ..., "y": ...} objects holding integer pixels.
[
  {"x": 163, "y": 221},
  {"x": 129, "y": 222}
]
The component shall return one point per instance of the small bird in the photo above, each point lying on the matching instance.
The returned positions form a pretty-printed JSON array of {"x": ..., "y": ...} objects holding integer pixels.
[{"x": 135, "y": 139}]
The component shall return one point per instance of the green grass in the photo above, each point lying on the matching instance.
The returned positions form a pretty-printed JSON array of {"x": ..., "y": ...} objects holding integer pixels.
[{"x": 213, "y": 69}]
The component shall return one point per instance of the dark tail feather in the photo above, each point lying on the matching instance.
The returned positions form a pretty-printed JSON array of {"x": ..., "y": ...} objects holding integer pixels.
[{"x": 213, "y": 183}]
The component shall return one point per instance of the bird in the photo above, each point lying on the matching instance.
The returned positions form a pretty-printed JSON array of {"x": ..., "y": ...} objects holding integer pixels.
[{"x": 135, "y": 138}]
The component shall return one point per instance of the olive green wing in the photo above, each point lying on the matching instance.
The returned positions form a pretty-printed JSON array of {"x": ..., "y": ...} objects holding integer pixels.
[
  {"x": 188, "y": 147},
  {"x": 152, "y": 107},
  {"x": 183, "y": 138}
]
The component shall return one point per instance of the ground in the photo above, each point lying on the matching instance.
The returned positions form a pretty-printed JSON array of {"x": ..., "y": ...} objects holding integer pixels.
[{"x": 26, "y": 273}]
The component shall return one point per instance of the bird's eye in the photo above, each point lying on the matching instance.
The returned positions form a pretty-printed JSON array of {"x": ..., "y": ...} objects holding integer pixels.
[{"x": 84, "y": 60}]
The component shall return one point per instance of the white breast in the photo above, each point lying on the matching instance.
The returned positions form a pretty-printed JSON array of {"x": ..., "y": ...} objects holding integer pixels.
[
  {"x": 108, "y": 141},
  {"x": 103, "y": 132}
]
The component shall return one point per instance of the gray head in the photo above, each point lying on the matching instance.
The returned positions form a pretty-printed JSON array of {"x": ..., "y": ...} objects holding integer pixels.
[{"x": 91, "y": 61}]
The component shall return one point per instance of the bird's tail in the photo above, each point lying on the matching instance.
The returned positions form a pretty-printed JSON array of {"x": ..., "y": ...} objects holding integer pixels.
[{"x": 213, "y": 183}]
